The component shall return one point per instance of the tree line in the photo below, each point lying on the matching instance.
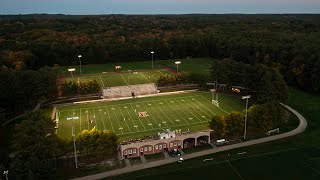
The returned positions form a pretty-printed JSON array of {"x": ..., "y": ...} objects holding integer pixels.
[
  {"x": 288, "y": 43},
  {"x": 266, "y": 87}
]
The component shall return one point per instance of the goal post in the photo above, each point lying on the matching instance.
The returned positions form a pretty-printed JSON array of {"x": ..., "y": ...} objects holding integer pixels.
[{"x": 214, "y": 97}]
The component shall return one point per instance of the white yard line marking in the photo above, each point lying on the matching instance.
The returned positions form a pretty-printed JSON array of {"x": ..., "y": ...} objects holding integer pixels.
[
  {"x": 182, "y": 118},
  {"x": 153, "y": 117},
  {"x": 137, "y": 117},
  {"x": 111, "y": 120},
  {"x": 124, "y": 120},
  {"x": 215, "y": 106},
  {"x": 166, "y": 114},
  {"x": 124, "y": 79},
  {"x": 162, "y": 120},
  {"x": 131, "y": 119},
  {"x": 118, "y": 121},
  {"x": 235, "y": 170},
  {"x": 138, "y": 106},
  {"x": 202, "y": 122},
  {"x": 202, "y": 106},
  {"x": 102, "y": 82},
  {"x": 102, "y": 119},
  {"x": 87, "y": 112},
  {"x": 80, "y": 121},
  {"x": 145, "y": 77},
  {"x": 191, "y": 112},
  {"x": 95, "y": 118}
]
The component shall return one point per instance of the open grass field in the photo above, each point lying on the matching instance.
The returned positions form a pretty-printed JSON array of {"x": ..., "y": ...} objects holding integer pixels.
[
  {"x": 180, "y": 111},
  {"x": 296, "y": 157},
  {"x": 200, "y": 65},
  {"x": 123, "y": 78}
]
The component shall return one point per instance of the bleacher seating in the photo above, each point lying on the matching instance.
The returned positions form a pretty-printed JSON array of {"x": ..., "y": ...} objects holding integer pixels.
[{"x": 126, "y": 91}]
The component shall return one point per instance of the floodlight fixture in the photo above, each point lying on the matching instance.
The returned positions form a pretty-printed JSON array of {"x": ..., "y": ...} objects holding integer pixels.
[
  {"x": 152, "y": 52},
  {"x": 71, "y": 70},
  {"x": 80, "y": 56},
  {"x": 177, "y": 63}
]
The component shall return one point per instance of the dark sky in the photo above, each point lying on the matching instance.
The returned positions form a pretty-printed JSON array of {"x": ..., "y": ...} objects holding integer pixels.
[{"x": 157, "y": 6}]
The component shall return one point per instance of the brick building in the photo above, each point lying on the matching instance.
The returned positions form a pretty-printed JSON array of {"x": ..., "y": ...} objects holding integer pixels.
[{"x": 163, "y": 143}]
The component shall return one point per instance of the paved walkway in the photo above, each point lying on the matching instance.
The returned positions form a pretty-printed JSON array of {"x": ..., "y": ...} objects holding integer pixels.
[
  {"x": 302, "y": 126},
  {"x": 143, "y": 160},
  {"x": 181, "y": 152},
  {"x": 166, "y": 155}
]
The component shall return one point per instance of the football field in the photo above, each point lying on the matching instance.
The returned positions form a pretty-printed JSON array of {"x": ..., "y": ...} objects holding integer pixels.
[
  {"x": 145, "y": 116},
  {"x": 121, "y": 78}
]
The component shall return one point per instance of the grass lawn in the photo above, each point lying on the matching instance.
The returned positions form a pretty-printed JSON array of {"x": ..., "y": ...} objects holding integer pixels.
[
  {"x": 200, "y": 65},
  {"x": 180, "y": 111},
  {"x": 123, "y": 78},
  {"x": 296, "y": 157}
]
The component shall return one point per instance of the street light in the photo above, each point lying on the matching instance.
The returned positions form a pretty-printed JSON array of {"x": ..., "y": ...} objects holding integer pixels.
[
  {"x": 6, "y": 173},
  {"x": 152, "y": 52},
  {"x": 75, "y": 149},
  {"x": 245, "y": 121},
  {"x": 177, "y": 63},
  {"x": 80, "y": 56},
  {"x": 71, "y": 70}
]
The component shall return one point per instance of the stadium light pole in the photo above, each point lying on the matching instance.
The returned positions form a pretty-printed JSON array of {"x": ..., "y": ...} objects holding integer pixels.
[
  {"x": 177, "y": 63},
  {"x": 71, "y": 70},
  {"x": 80, "y": 56},
  {"x": 6, "y": 174},
  {"x": 245, "y": 121},
  {"x": 152, "y": 52},
  {"x": 75, "y": 148}
]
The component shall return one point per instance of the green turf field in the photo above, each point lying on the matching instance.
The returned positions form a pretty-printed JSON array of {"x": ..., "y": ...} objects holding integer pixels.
[
  {"x": 200, "y": 65},
  {"x": 123, "y": 78},
  {"x": 180, "y": 111},
  {"x": 296, "y": 157}
]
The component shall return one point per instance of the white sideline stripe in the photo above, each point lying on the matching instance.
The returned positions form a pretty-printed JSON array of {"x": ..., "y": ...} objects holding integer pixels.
[
  {"x": 124, "y": 79},
  {"x": 145, "y": 77},
  {"x": 80, "y": 121},
  {"x": 301, "y": 128},
  {"x": 162, "y": 128}
]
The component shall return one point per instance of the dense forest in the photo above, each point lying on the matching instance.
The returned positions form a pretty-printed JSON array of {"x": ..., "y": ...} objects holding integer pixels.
[{"x": 286, "y": 42}]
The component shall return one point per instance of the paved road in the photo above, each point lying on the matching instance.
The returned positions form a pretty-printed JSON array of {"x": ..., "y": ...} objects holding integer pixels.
[{"x": 302, "y": 126}]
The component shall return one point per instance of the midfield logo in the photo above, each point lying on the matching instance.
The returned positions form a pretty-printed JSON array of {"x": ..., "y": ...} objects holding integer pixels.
[{"x": 143, "y": 114}]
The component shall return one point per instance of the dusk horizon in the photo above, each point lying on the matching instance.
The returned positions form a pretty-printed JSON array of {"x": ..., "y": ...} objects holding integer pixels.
[{"x": 98, "y": 7}]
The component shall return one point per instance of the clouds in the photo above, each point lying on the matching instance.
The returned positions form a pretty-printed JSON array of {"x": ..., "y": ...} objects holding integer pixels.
[{"x": 158, "y": 6}]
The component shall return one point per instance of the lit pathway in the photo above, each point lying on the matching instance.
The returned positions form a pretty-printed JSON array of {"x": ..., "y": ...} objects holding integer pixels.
[{"x": 302, "y": 126}]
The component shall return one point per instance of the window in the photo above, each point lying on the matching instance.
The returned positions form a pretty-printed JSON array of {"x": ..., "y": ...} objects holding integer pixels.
[
  {"x": 125, "y": 152},
  {"x": 130, "y": 152},
  {"x": 175, "y": 144},
  {"x": 134, "y": 151},
  {"x": 160, "y": 146},
  {"x": 150, "y": 148},
  {"x": 156, "y": 147},
  {"x": 171, "y": 144},
  {"x": 146, "y": 149},
  {"x": 164, "y": 145},
  {"x": 141, "y": 149},
  {"x": 179, "y": 143}
]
